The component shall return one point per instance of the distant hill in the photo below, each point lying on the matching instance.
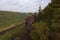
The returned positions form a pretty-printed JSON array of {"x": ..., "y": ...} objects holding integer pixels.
[{"x": 8, "y": 18}]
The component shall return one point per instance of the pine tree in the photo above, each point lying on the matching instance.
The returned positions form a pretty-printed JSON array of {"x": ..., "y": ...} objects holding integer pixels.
[{"x": 40, "y": 14}]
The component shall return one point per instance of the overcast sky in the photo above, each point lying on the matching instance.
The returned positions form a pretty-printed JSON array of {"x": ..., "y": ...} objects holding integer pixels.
[{"x": 23, "y": 5}]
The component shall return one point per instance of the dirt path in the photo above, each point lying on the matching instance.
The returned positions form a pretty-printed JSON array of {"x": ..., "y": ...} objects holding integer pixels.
[
  {"x": 28, "y": 26},
  {"x": 25, "y": 35},
  {"x": 2, "y": 31}
]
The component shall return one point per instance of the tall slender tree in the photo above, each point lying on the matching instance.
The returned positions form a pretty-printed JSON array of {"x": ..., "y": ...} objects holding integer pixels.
[{"x": 40, "y": 14}]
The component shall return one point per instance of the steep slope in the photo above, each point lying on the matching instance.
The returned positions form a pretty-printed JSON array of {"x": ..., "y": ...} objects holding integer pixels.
[
  {"x": 48, "y": 25},
  {"x": 52, "y": 11},
  {"x": 53, "y": 14}
]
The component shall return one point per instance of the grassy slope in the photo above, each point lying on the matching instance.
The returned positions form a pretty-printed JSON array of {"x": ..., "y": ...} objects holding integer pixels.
[
  {"x": 12, "y": 34},
  {"x": 8, "y": 18}
]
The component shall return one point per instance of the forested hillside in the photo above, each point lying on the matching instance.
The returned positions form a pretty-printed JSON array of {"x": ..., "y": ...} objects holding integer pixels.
[{"x": 48, "y": 25}]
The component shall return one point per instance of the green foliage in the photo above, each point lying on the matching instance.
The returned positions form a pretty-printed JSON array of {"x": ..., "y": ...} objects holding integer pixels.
[
  {"x": 53, "y": 12},
  {"x": 34, "y": 34},
  {"x": 51, "y": 18},
  {"x": 42, "y": 30},
  {"x": 11, "y": 35},
  {"x": 40, "y": 15}
]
